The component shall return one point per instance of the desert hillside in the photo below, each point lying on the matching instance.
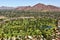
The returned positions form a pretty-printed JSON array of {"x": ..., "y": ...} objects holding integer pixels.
[{"x": 39, "y": 7}]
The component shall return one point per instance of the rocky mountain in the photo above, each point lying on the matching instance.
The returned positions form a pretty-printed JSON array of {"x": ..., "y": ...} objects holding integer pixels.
[{"x": 39, "y": 7}]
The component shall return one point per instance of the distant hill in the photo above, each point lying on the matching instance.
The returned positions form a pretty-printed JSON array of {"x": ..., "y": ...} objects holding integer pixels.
[
  {"x": 39, "y": 7},
  {"x": 6, "y": 8}
]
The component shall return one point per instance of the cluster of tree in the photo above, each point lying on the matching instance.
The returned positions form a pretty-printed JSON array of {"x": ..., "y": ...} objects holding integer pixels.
[
  {"x": 17, "y": 13},
  {"x": 29, "y": 26}
]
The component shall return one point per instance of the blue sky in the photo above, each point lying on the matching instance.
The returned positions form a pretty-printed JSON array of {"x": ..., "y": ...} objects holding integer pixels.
[{"x": 15, "y": 3}]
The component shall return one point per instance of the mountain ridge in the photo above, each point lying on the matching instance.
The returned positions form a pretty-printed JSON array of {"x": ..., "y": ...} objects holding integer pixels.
[
  {"x": 40, "y": 7},
  {"x": 36, "y": 7}
]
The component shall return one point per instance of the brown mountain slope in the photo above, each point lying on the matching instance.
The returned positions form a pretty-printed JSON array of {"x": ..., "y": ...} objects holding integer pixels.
[
  {"x": 39, "y": 7},
  {"x": 23, "y": 8}
]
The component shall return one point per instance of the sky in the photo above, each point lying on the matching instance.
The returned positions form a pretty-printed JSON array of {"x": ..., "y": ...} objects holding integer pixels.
[{"x": 15, "y": 3}]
